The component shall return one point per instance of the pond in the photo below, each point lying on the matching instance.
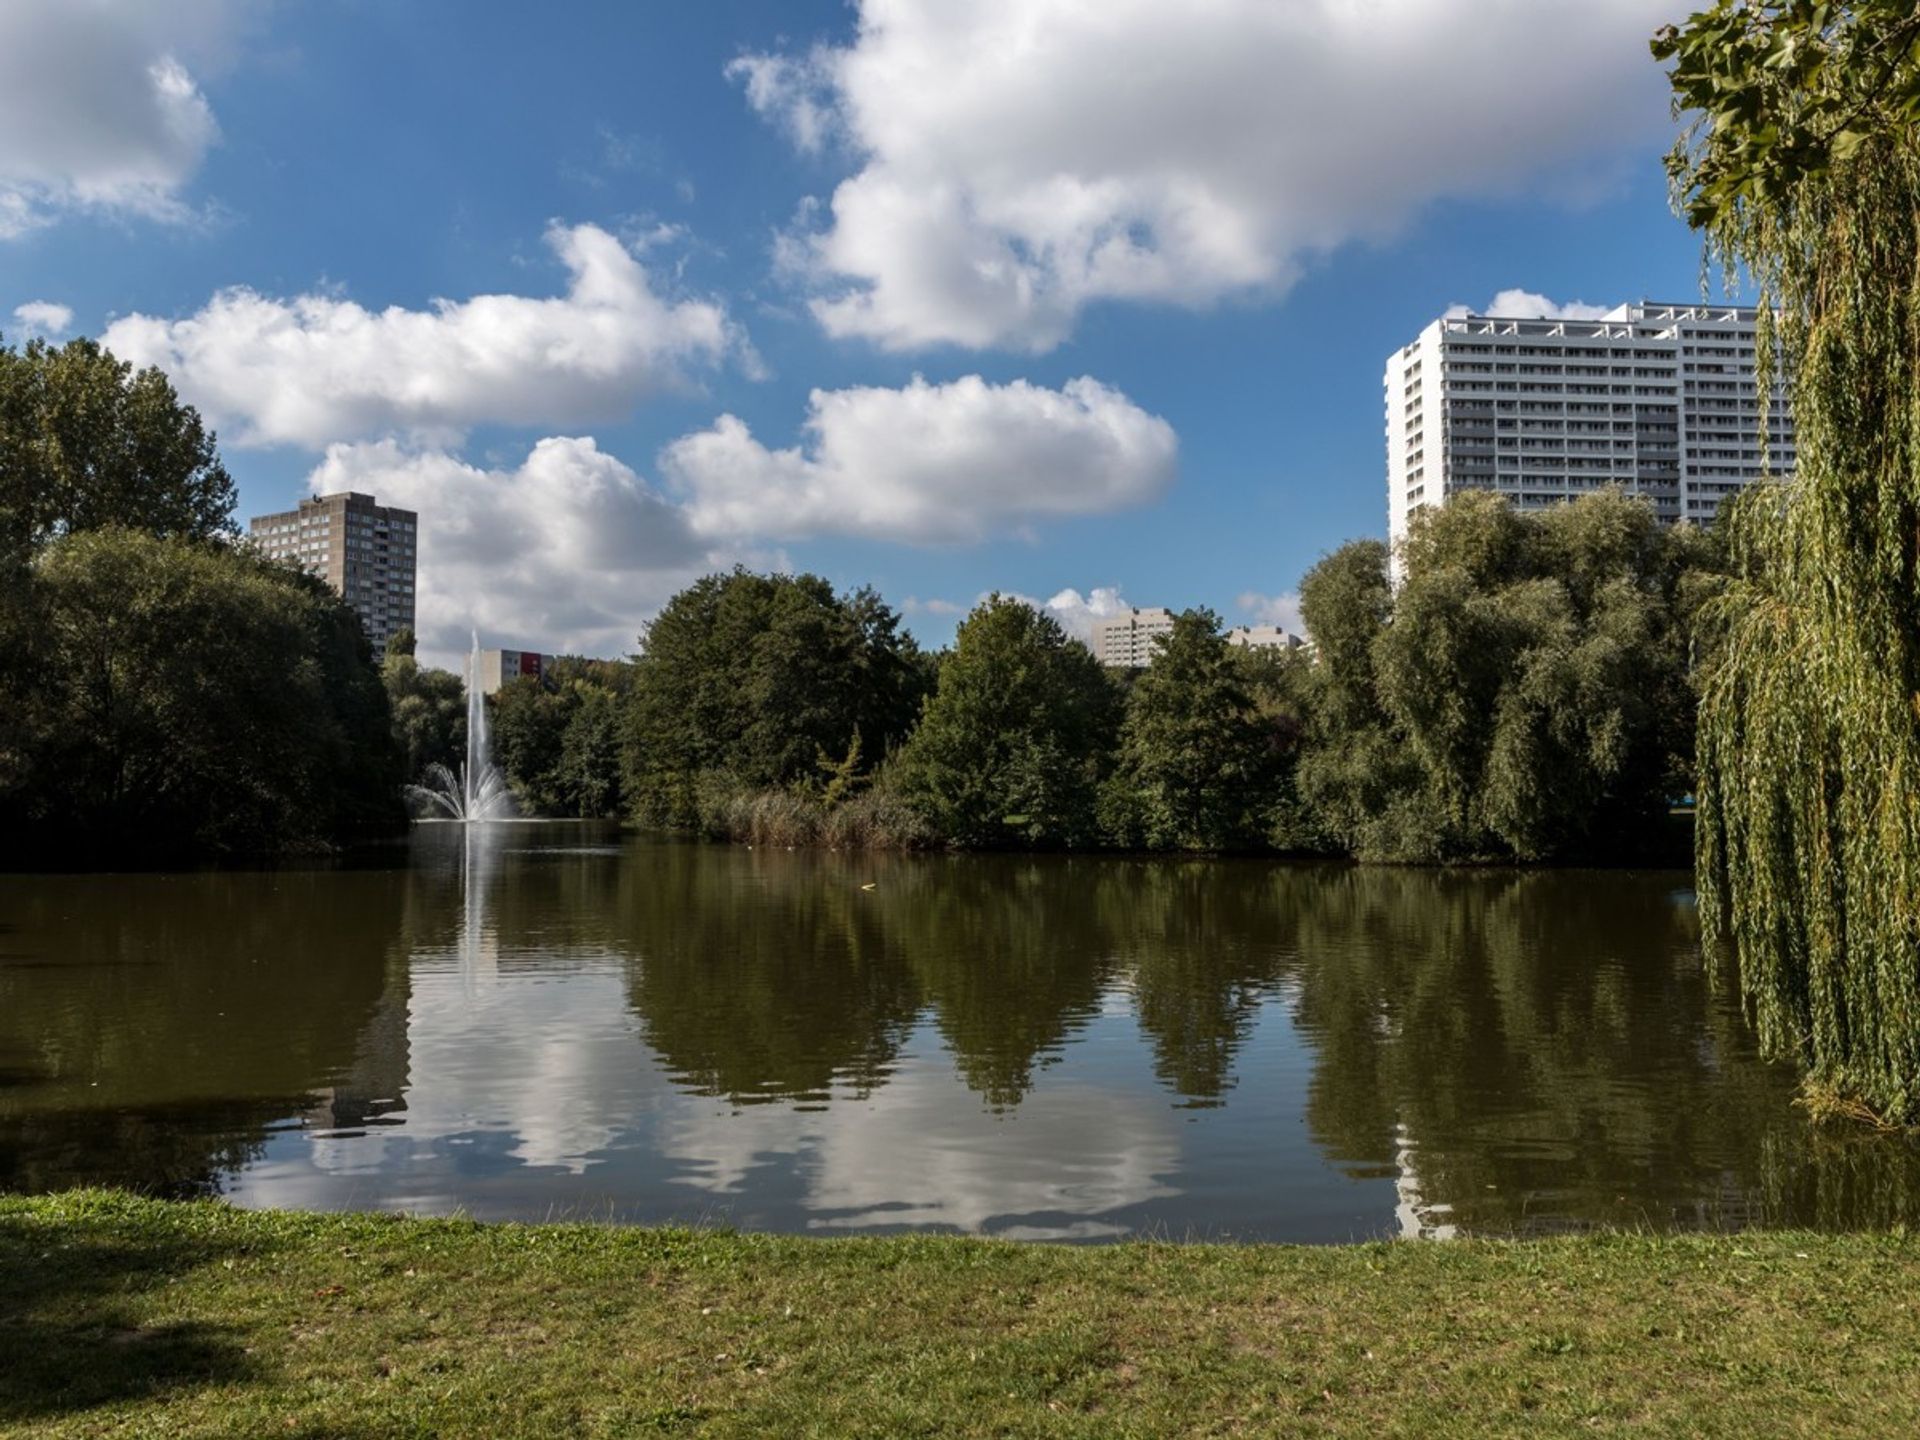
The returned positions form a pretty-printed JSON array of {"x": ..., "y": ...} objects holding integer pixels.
[{"x": 544, "y": 1021}]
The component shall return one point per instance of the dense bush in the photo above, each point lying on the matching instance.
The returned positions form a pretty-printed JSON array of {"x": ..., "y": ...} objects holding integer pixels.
[{"x": 876, "y": 818}]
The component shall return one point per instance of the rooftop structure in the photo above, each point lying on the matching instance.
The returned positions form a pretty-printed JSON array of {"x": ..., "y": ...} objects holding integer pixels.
[
  {"x": 364, "y": 550},
  {"x": 1661, "y": 400}
]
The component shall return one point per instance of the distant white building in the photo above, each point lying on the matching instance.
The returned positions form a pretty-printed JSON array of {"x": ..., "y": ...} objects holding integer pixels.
[
  {"x": 1661, "y": 400},
  {"x": 1268, "y": 637},
  {"x": 1126, "y": 640}
]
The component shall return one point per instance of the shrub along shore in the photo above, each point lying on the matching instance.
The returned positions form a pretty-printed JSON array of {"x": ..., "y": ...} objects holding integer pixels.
[{"x": 131, "y": 1316}]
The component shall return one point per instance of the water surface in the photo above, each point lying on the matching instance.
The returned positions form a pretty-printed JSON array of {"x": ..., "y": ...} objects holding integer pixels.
[{"x": 558, "y": 1020}]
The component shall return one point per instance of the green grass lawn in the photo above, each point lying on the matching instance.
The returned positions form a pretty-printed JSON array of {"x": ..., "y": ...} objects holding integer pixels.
[{"x": 122, "y": 1316}]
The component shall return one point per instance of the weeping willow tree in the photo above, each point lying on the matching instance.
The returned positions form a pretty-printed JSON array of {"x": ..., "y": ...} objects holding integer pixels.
[{"x": 1800, "y": 165}]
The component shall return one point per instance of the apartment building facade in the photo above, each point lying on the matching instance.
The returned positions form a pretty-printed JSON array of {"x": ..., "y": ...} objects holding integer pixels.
[
  {"x": 1126, "y": 640},
  {"x": 1264, "y": 637},
  {"x": 501, "y": 667},
  {"x": 1660, "y": 400},
  {"x": 366, "y": 551}
]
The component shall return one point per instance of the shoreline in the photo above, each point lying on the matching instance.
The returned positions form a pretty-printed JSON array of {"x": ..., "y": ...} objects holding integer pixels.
[{"x": 191, "y": 1317}]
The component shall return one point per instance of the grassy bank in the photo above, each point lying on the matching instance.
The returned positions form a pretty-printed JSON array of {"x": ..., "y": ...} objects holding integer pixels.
[{"x": 122, "y": 1316}]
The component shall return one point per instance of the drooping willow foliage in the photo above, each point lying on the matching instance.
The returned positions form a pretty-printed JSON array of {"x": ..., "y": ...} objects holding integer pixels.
[{"x": 1801, "y": 167}]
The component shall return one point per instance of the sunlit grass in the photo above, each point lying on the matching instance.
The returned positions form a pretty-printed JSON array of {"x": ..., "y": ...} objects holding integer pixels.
[{"x": 122, "y": 1316}]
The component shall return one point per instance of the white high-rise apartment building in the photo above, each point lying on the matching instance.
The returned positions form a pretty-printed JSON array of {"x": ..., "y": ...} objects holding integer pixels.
[
  {"x": 1661, "y": 400},
  {"x": 1126, "y": 640}
]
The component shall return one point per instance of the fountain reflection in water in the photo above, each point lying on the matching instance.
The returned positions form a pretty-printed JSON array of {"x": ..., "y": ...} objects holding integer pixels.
[{"x": 479, "y": 791}]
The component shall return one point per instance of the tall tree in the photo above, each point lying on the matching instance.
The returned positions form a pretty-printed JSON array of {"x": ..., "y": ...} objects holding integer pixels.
[
  {"x": 528, "y": 724},
  {"x": 1017, "y": 736},
  {"x": 1198, "y": 763},
  {"x": 1800, "y": 165},
  {"x": 87, "y": 442},
  {"x": 746, "y": 679},
  {"x": 1524, "y": 694},
  {"x": 590, "y": 778},
  {"x": 1359, "y": 781},
  {"x": 558, "y": 738},
  {"x": 429, "y": 712}
]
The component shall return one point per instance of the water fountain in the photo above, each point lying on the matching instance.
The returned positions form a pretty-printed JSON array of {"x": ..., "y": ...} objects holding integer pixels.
[{"x": 479, "y": 791}]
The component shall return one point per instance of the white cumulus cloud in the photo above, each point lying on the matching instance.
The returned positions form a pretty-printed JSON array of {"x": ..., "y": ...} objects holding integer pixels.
[
  {"x": 1531, "y": 305},
  {"x": 1017, "y": 160},
  {"x": 98, "y": 108},
  {"x": 795, "y": 93},
  {"x": 569, "y": 551},
  {"x": 1077, "y": 613},
  {"x": 928, "y": 464},
  {"x": 1281, "y": 610},
  {"x": 318, "y": 369},
  {"x": 43, "y": 317}
]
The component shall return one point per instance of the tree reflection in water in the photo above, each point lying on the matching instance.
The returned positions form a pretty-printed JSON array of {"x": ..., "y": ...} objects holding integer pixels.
[
  {"x": 158, "y": 1039},
  {"x": 1511, "y": 1051}
]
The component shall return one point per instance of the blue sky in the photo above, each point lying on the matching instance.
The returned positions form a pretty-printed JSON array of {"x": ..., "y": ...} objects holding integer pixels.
[{"x": 1223, "y": 215}]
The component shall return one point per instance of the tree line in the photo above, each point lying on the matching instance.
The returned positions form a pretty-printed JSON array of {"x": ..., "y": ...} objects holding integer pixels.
[
  {"x": 1524, "y": 693},
  {"x": 168, "y": 693}
]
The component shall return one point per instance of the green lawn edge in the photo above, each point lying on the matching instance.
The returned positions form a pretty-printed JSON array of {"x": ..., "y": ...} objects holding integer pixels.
[{"x": 127, "y": 1316}]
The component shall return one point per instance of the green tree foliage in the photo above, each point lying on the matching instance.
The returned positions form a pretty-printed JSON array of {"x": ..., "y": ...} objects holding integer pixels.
[
  {"x": 1017, "y": 737},
  {"x": 1778, "y": 94},
  {"x": 744, "y": 680},
  {"x": 187, "y": 699},
  {"x": 1801, "y": 166},
  {"x": 429, "y": 712},
  {"x": 528, "y": 724},
  {"x": 85, "y": 442},
  {"x": 1524, "y": 695},
  {"x": 558, "y": 737},
  {"x": 591, "y": 754},
  {"x": 1199, "y": 762},
  {"x": 165, "y": 696}
]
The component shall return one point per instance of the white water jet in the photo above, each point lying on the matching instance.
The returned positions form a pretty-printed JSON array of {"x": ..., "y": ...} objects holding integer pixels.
[{"x": 479, "y": 791}]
